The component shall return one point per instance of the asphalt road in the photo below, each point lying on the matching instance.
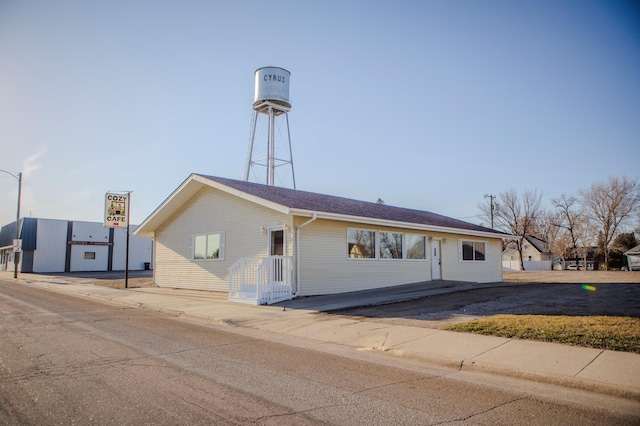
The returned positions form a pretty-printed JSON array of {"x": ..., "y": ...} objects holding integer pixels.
[
  {"x": 67, "y": 360},
  {"x": 622, "y": 299}
]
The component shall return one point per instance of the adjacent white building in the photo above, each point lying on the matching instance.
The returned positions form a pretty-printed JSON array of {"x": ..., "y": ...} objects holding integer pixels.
[
  {"x": 633, "y": 258},
  {"x": 536, "y": 256},
  {"x": 52, "y": 245}
]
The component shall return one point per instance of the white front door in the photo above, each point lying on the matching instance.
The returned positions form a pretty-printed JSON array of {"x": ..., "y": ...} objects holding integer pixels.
[{"x": 435, "y": 260}]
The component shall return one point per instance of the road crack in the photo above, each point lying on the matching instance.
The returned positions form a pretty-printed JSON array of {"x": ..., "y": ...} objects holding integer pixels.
[{"x": 488, "y": 410}]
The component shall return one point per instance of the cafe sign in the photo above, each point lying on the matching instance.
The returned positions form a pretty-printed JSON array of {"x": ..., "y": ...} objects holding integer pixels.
[{"x": 116, "y": 210}]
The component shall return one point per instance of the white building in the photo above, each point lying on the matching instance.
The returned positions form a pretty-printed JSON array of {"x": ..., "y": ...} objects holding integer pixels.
[
  {"x": 52, "y": 245},
  {"x": 267, "y": 243},
  {"x": 633, "y": 258},
  {"x": 536, "y": 256}
]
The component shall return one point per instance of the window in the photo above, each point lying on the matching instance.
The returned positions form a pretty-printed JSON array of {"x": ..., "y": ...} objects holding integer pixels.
[
  {"x": 91, "y": 255},
  {"x": 361, "y": 244},
  {"x": 390, "y": 245},
  {"x": 415, "y": 247},
  {"x": 473, "y": 250},
  {"x": 208, "y": 246}
]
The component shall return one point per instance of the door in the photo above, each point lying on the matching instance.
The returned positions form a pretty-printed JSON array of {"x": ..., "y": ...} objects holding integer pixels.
[
  {"x": 435, "y": 260},
  {"x": 276, "y": 242},
  {"x": 276, "y": 248}
]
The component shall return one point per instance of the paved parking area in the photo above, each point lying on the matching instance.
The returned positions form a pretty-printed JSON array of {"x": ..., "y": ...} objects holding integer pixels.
[
  {"x": 536, "y": 299},
  {"x": 560, "y": 298}
]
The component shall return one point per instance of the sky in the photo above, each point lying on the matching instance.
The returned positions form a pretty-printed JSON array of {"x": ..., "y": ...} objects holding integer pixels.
[{"x": 427, "y": 104}]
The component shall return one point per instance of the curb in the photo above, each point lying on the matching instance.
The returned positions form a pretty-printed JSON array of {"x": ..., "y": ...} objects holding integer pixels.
[{"x": 553, "y": 379}]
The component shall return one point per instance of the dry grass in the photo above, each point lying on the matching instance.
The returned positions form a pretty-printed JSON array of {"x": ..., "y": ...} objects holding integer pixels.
[
  {"x": 572, "y": 276},
  {"x": 602, "y": 332},
  {"x": 133, "y": 282}
]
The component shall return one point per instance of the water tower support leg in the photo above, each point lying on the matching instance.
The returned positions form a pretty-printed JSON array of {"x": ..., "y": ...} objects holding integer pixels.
[
  {"x": 293, "y": 175},
  {"x": 251, "y": 141},
  {"x": 271, "y": 158}
]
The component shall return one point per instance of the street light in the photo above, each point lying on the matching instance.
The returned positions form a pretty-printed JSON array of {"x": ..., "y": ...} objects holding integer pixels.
[{"x": 16, "y": 255}]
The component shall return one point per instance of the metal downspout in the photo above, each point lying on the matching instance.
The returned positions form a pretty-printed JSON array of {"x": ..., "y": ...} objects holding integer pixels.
[{"x": 313, "y": 219}]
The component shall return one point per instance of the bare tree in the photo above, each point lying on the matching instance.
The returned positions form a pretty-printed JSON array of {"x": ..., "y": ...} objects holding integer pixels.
[
  {"x": 556, "y": 237},
  {"x": 570, "y": 217},
  {"x": 611, "y": 205},
  {"x": 516, "y": 215},
  {"x": 571, "y": 222}
]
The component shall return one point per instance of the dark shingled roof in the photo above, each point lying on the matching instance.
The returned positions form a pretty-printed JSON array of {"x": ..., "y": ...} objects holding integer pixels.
[
  {"x": 302, "y": 200},
  {"x": 537, "y": 243}
]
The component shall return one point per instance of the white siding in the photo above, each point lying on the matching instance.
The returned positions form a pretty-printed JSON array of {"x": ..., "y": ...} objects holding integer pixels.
[
  {"x": 89, "y": 232},
  {"x": 80, "y": 264},
  {"x": 325, "y": 268},
  {"x": 454, "y": 269},
  {"x": 51, "y": 246},
  {"x": 211, "y": 210}
]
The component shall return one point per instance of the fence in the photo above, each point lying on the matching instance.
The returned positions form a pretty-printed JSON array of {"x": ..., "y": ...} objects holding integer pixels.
[{"x": 514, "y": 265}]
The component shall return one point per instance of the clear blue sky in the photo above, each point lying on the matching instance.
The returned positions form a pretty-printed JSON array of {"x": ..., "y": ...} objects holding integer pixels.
[{"x": 425, "y": 104}]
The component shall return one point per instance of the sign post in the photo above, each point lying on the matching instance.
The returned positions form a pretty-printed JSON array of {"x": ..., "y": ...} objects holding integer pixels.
[{"x": 117, "y": 215}]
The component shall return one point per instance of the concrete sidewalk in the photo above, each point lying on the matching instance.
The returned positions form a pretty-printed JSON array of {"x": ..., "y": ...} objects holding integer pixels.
[{"x": 603, "y": 371}]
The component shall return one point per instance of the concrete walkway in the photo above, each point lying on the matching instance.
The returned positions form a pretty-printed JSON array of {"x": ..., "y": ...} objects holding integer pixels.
[{"x": 603, "y": 371}]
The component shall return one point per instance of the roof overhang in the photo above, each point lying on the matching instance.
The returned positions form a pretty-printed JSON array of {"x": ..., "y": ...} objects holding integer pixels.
[{"x": 183, "y": 193}]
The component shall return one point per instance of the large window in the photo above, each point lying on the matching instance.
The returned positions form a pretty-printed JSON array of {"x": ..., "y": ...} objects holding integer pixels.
[
  {"x": 208, "y": 246},
  {"x": 415, "y": 247},
  {"x": 366, "y": 244},
  {"x": 473, "y": 250},
  {"x": 361, "y": 244},
  {"x": 390, "y": 245}
]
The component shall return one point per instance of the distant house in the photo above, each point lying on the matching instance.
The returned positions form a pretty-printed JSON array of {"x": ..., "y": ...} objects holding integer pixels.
[
  {"x": 633, "y": 258},
  {"x": 52, "y": 245},
  {"x": 535, "y": 253},
  {"x": 264, "y": 243}
]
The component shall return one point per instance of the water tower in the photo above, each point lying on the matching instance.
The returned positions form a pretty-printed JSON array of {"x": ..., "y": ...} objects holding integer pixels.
[{"x": 271, "y": 102}]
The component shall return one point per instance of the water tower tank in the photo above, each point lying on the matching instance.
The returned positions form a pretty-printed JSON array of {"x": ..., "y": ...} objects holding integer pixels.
[{"x": 272, "y": 85}]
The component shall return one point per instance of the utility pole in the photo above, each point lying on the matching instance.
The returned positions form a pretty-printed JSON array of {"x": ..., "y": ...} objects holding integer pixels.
[
  {"x": 16, "y": 254},
  {"x": 491, "y": 197}
]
